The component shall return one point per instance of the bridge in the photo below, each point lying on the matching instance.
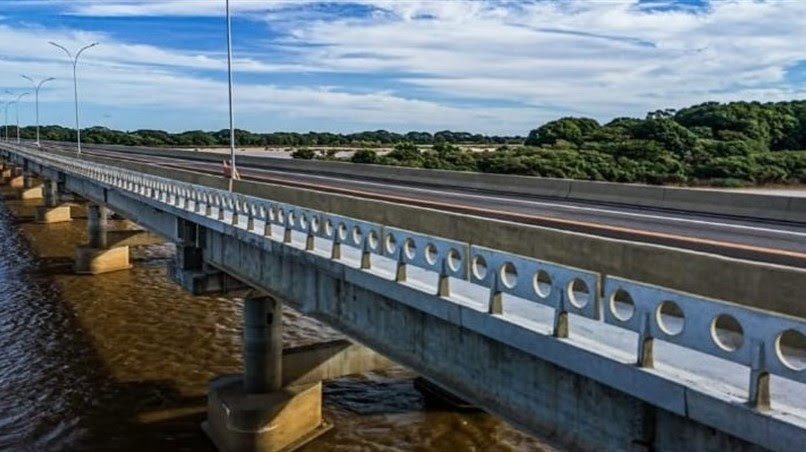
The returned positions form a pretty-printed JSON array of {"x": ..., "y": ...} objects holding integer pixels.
[{"x": 589, "y": 340}]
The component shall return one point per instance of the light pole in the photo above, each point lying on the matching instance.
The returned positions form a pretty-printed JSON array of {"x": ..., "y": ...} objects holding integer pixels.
[
  {"x": 18, "y": 114},
  {"x": 36, "y": 88},
  {"x": 233, "y": 170},
  {"x": 8, "y": 104},
  {"x": 5, "y": 124},
  {"x": 74, "y": 60}
]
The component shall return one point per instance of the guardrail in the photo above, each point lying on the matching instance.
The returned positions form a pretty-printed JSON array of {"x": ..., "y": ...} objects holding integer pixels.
[{"x": 765, "y": 342}]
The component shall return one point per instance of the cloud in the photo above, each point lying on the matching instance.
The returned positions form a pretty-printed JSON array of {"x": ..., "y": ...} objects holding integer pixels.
[{"x": 492, "y": 66}]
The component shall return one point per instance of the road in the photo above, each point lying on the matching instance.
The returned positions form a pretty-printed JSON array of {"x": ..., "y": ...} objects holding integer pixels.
[{"x": 746, "y": 238}]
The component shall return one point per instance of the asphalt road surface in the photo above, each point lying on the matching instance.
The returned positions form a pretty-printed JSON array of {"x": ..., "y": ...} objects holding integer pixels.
[{"x": 747, "y": 238}]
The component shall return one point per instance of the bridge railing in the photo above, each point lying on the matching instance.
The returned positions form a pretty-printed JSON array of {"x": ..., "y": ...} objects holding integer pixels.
[{"x": 765, "y": 342}]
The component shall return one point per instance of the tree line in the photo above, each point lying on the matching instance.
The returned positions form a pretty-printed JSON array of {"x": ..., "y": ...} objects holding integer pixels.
[
  {"x": 244, "y": 138},
  {"x": 727, "y": 144},
  {"x": 733, "y": 144}
]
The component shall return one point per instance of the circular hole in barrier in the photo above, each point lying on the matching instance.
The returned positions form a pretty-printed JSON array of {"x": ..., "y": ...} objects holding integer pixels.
[
  {"x": 622, "y": 305},
  {"x": 373, "y": 239},
  {"x": 292, "y": 218},
  {"x": 390, "y": 243},
  {"x": 727, "y": 332},
  {"x": 410, "y": 248},
  {"x": 454, "y": 260},
  {"x": 578, "y": 293},
  {"x": 479, "y": 267},
  {"x": 509, "y": 275},
  {"x": 791, "y": 349},
  {"x": 357, "y": 235},
  {"x": 303, "y": 221},
  {"x": 670, "y": 318},
  {"x": 280, "y": 215},
  {"x": 315, "y": 224},
  {"x": 431, "y": 254},
  {"x": 329, "y": 228},
  {"x": 542, "y": 283},
  {"x": 342, "y": 231}
]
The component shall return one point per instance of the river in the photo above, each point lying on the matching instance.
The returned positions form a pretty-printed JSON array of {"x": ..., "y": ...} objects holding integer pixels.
[{"x": 121, "y": 361}]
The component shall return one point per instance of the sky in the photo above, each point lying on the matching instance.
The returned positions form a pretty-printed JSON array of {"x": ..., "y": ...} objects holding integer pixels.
[{"x": 494, "y": 67}]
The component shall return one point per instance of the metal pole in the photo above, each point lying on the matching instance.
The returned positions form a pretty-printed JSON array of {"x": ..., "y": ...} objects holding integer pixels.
[
  {"x": 18, "y": 115},
  {"x": 5, "y": 123},
  {"x": 8, "y": 104},
  {"x": 231, "y": 114},
  {"x": 75, "y": 87},
  {"x": 37, "y": 86}
]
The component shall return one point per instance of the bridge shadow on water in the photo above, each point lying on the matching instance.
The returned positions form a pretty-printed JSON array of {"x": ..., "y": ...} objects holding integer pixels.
[{"x": 121, "y": 362}]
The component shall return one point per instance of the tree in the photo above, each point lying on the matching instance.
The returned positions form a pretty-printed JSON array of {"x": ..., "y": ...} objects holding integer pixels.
[
  {"x": 573, "y": 130},
  {"x": 364, "y": 156}
]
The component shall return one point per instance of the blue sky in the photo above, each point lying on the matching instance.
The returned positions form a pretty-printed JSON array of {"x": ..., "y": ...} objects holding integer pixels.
[{"x": 496, "y": 67}]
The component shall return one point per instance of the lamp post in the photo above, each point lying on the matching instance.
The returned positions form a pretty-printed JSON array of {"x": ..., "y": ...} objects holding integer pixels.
[
  {"x": 8, "y": 104},
  {"x": 36, "y": 88},
  {"x": 18, "y": 114},
  {"x": 5, "y": 124},
  {"x": 233, "y": 169},
  {"x": 74, "y": 61}
]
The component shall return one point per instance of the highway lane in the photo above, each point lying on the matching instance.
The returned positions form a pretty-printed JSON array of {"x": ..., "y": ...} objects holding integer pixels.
[{"x": 744, "y": 238}]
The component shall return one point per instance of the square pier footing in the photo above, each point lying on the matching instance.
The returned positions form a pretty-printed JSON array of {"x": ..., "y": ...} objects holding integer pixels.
[
  {"x": 94, "y": 261},
  {"x": 30, "y": 193},
  {"x": 47, "y": 215},
  {"x": 16, "y": 182},
  {"x": 279, "y": 421}
]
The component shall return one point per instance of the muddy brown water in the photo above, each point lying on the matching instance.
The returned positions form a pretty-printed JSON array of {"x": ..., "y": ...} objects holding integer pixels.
[{"x": 121, "y": 361}]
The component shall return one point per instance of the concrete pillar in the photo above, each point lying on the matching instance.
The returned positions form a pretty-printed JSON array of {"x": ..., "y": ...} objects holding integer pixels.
[
  {"x": 50, "y": 193},
  {"x": 263, "y": 345},
  {"x": 51, "y": 211},
  {"x": 97, "y": 257},
  {"x": 30, "y": 189},
  {"x": 97, "y": 220},
  {"x": 255, "y": 412},
  {"x": 28, "y": 179},
  {"x": 187, "y": 268}
]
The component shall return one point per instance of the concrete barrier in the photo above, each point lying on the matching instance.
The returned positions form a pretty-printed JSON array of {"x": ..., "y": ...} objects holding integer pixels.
[{"x": 765, "y": 286}]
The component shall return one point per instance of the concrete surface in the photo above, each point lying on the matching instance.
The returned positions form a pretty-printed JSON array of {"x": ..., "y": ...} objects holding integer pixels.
[
  {"x": 47, "y": 215},
  {"x": 277, "y": 421},
  {"x": 766, "y": 286},
  {"x": 94, "y": 261}
]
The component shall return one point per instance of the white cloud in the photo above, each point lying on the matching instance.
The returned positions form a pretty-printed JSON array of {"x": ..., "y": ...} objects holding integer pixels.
[{"x": 541, "y": 59}]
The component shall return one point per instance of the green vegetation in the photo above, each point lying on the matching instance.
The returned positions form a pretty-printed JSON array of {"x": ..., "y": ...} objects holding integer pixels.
[
  {"x": 198, "y": 138},
  {"x": 734, "y": 144}
]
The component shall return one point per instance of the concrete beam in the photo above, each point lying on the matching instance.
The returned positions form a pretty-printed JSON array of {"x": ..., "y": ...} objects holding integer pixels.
[{"x": 329, "y": 360}]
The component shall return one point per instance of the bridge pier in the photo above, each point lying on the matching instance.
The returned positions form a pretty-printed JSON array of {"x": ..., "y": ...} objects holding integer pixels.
[
  {"x": 5, "y": 172},
  {"x": 97, "y": 257},
  {"x": 14, "y": 178},
  {"x": 188, "y": 268},
  {"x": 51, "y": 211},
  {"x": 256, "y": 412},
  {"x": 31, "y": 187}
]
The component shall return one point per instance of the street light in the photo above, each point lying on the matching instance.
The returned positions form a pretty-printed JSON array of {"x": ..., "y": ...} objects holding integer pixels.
[
  {"x": 36, "y": 88},
  {"x": 8, "y": 104},
  {"x": 233, "y": 170},
  {"x": 5, "y": 124},
  {"x": 74, "y": 60},
  {"x": 18, "y": 114}
]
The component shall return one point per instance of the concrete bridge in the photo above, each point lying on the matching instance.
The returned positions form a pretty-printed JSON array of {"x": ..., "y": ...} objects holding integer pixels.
[{"x": 586, "y": 358}]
